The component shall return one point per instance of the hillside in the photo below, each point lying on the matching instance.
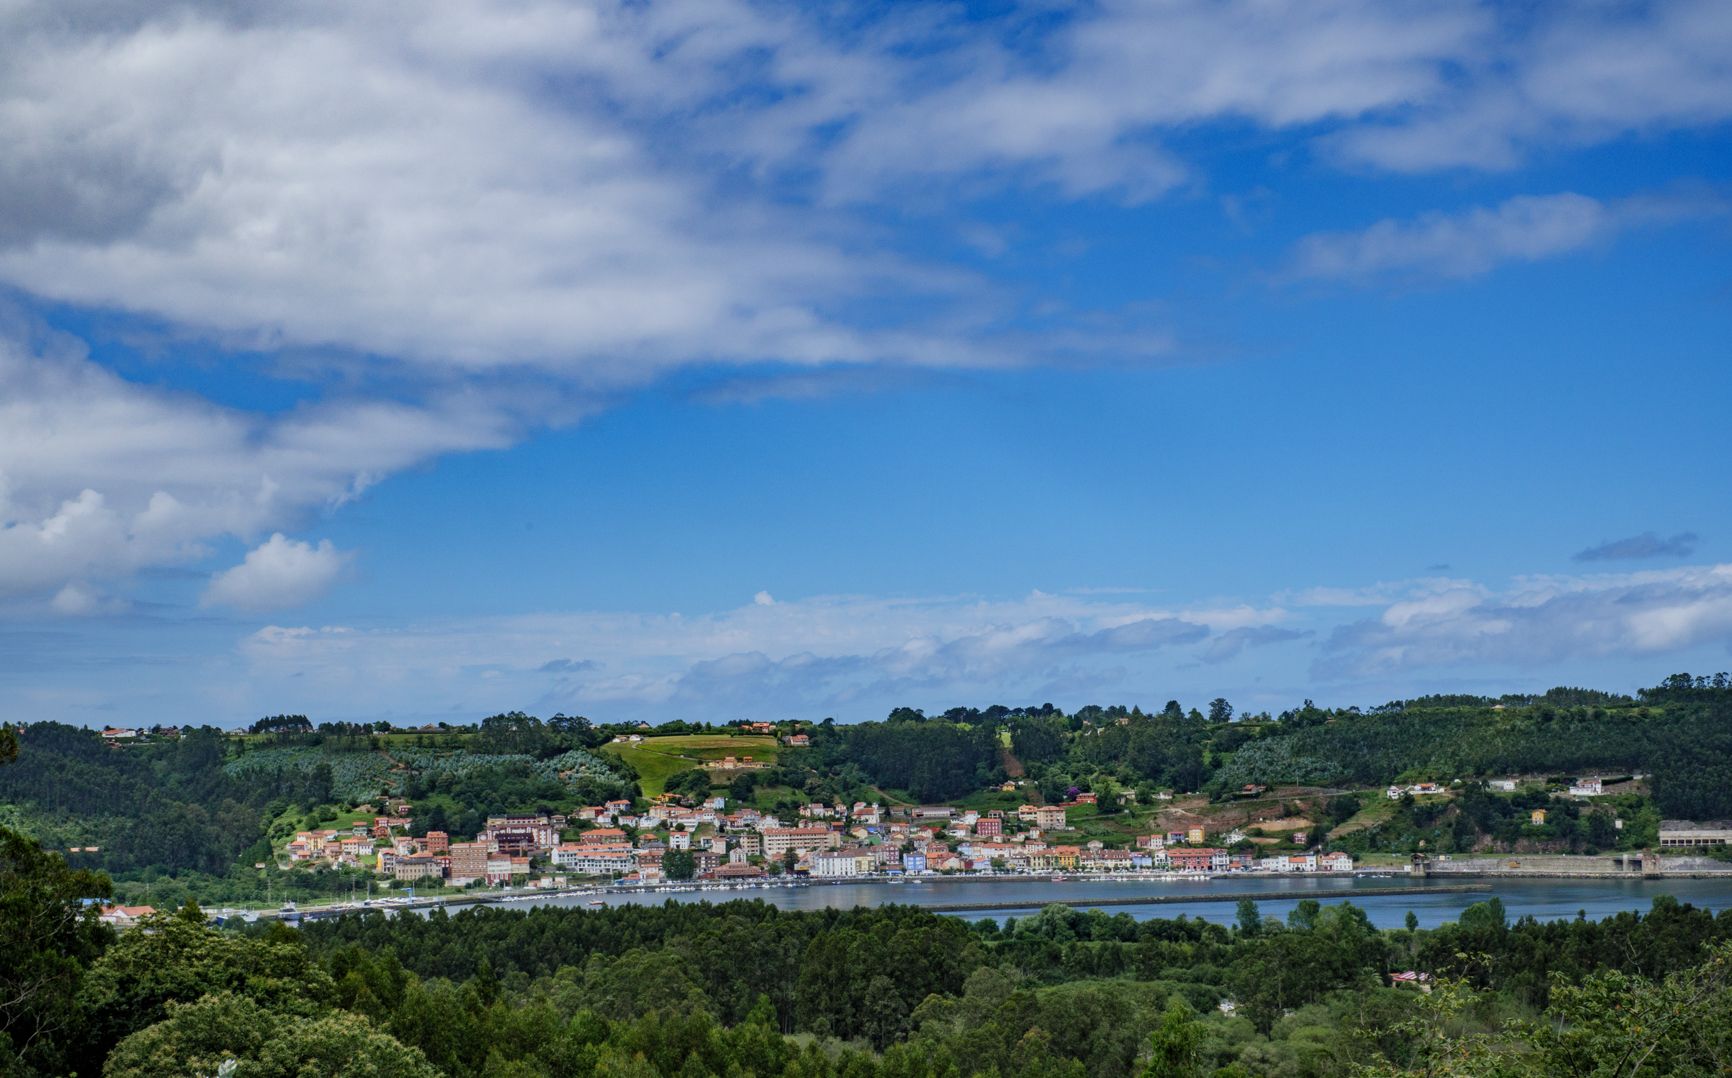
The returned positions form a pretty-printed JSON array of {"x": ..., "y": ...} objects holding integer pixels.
[
  {"x": 204, "y": 807},
  {"x": 657, "y": 759}
]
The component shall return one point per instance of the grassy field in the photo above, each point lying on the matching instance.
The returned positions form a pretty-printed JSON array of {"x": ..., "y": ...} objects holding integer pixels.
[
  {"x": 657, "y": 759},
  {"x": 987, "y": 800},
  {"x": 1378, "y": 808}
]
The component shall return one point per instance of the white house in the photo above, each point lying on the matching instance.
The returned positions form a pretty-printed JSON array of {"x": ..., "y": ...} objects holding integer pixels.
[
  {"x": 852, "y": 861},
  {"x": 124, "y": 916},
  {"x": 596, "y": 860}
]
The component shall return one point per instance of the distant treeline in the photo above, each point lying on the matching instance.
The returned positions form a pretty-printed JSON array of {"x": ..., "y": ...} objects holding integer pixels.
[{"x": 1679, "y": 733}]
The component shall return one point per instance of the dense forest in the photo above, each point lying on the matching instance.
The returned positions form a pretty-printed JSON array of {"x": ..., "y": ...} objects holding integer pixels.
[
  {"x": 744, "y": 989},
  {"x": 1679, "y": 733}
]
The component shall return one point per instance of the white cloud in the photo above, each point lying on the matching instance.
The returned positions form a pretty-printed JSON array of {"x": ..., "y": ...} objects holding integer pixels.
[
  {"x": 1539, "y": 620},
  {"x": 1084, "y": 102},
  {"x": 1523, "y": 229},
  {"x": 612, "y": 191},
  {"x": 1475, "y": 241},
  {"x": 100, "y": 477},
  {"x": 79, "y": 599},
  {"x": 841, "y": 653},
  {"x": 1378, "y": 594},
  {"x": 280, "y": 572},
  {"x": 1569, "y": 75},
  {"x": 764, "y": 598},
  {"x": 464, "y": 196},
  {"x": 475, "y": 185},
  {"x": 1081, "y": 107}
]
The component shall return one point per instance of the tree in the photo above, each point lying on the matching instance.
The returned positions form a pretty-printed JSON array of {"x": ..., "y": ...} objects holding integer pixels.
[
  {"x": 1341, "y": 808},
  {"x": 1107, "y": 794},
  {"x": 199, "y": 1038},
  {"x": 1616, "y": 1024},
  {"x": 641, "y": 981},
  {"x": 282, "y": 724},
  {"x": 181, "y": 959},
  {"x": 47, "y": 939},
  {"x": 1220, "y": 710},
  {"x": 1173, "y": 1045},
  {"x": 679, "y": 865},
  {"x": 1250, "y": 919},
  {"x": 743, "y": 787},
  {"x": 693, "y": 785},
  {"x": 573, "y": 730},
  {"x": 513, "y": 732}
]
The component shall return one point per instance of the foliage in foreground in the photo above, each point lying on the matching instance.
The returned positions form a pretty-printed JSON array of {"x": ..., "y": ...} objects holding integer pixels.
[{"x": 745, "y": 989}]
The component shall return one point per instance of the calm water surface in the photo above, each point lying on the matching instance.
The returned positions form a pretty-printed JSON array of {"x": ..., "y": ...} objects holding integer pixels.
[{"x": 1539, "y": 898}]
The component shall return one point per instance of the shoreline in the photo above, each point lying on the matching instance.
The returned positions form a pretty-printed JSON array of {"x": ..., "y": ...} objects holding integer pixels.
[{"x": 1474, "y": 880}]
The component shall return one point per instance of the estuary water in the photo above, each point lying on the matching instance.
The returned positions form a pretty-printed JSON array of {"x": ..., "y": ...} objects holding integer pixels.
[{"x": 1543, "y": 899}]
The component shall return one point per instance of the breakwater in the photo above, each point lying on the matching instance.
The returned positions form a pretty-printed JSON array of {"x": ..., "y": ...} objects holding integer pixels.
[{"x": 1204, "y": 896}]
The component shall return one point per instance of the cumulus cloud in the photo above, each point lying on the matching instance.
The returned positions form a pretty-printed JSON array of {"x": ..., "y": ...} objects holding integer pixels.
[
  {"x": 1540, "y": 620},
  {"x": 101, "y": 478},
  {"x": 1639, "y": 547},
  {"x": 280, "y": 572},
  {"x": 1478, "y": 240},
  {"x": 79, "y": 599},
  {"x": 399, "y": 181}
]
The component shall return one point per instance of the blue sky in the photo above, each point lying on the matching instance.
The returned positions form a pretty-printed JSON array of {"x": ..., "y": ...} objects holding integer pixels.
[{"x": 727, "y": 360}]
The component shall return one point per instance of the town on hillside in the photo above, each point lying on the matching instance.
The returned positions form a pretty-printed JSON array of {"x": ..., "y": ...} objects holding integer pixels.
[
  {"x": 287, "y": 809},
  {"x": 671, "y": 839},
  {"x": 668, "y": 840}
]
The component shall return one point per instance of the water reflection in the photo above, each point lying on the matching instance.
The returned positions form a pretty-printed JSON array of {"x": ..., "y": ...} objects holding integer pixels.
[{"x": 1541, "y": 899}]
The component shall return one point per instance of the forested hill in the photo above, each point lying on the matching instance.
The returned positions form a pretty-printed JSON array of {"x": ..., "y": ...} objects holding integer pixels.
[
  {"x": 207, "y": 806},
  {"x": 1679, "y": 733}
]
